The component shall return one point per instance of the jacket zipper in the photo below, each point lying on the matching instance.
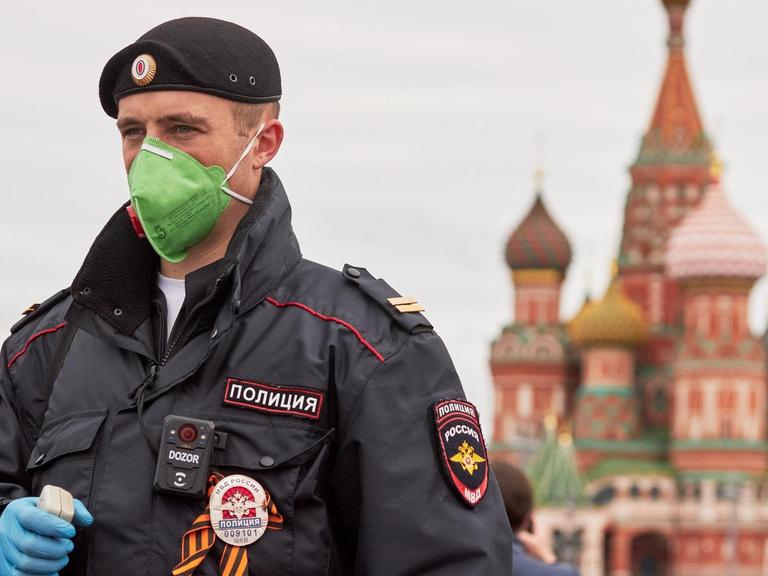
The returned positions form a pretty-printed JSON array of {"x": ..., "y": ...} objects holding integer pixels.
[
  {"x": 184, "y": 329},
  {"x": 178, "y": 337}
]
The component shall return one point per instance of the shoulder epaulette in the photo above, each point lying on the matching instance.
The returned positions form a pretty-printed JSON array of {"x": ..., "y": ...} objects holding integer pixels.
[
  {"x": 37, "y": 310},
  {"x": 403, "y": 310}
]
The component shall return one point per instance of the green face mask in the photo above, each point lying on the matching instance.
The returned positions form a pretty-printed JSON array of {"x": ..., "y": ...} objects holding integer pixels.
[{"x": 176, "y": 198}]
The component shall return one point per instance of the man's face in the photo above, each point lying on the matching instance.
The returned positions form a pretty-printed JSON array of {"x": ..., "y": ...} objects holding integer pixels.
[{"x": 201, "y": 125}]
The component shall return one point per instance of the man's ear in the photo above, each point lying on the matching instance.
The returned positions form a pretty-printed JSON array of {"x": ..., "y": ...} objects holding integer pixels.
[
  {"x": 527, "y": 524},
  {"x": 267, "y": 144}
]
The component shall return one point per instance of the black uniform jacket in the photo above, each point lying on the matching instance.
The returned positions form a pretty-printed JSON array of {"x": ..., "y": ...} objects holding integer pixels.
[{"x": 323, "y": 388}]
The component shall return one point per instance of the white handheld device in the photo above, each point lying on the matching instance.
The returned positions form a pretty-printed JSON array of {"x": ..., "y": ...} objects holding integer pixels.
[{"x": 58, "y": 502}]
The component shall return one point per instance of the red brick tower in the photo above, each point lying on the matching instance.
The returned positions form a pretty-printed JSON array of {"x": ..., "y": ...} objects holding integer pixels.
[
  {"x": 668, "y": 179},
  {"x": 718, "y": 437},
  {"x": 608, "y": 333},
  {"x": 719, "y": 386},
  {"x": 531, "y": 360}
]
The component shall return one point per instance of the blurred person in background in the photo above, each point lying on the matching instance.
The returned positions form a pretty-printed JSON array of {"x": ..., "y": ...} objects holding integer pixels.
[{"x": 531, "y": 556}]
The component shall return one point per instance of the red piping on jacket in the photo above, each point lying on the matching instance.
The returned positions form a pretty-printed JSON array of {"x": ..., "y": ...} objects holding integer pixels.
[
  {"x": 32, "y": 338},
  {"x": 316, "y": 314}
]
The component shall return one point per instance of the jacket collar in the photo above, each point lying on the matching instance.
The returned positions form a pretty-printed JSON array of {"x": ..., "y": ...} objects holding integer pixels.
[{"x": 118, "y": 275}]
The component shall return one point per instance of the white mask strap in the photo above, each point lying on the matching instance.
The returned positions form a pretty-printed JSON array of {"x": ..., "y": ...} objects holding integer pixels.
[
  {"x": 248, "y": 148},
  {"x": 236, "y": 195},
  {"x": 245, "y": 152}
]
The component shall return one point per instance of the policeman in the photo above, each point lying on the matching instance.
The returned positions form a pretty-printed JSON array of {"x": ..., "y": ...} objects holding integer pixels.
[{"x": 215, "y": 402}]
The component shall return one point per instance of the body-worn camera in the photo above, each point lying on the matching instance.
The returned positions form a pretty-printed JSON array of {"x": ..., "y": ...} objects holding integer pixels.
[{"x": 185, "y": 456}]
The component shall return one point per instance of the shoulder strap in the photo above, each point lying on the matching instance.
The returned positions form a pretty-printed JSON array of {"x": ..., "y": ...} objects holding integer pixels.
[
  {"x": 57, "y": 361},
  {"x": 37, "y": 310},
  {"x": 386, "y": 297}
]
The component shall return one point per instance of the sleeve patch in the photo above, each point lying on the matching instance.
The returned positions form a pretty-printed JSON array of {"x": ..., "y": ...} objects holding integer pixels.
[{"x": 461, "y": 449}]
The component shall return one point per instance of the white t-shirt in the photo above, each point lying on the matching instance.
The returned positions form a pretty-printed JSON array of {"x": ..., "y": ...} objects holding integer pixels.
[{"x": 175, "y": 292}]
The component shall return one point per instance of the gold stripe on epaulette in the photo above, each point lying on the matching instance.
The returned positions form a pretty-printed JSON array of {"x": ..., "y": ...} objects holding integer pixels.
[
  {"x": 31, "y": 309},
  {"x": 405, "y": 304},
  {"x": 410, "y": 308},
  {"x": 398, "y": 300}
]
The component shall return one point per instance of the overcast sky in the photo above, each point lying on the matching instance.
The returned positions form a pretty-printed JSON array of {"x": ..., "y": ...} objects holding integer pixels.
[{"x": 411, "y": 135}]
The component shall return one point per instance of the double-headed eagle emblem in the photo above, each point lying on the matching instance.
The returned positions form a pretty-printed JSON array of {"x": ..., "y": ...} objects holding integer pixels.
[
  {"x": 467, "y": 457},
  {"x": 239, "y": 505}
]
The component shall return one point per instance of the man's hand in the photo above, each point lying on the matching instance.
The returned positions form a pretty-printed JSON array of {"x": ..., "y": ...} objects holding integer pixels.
[
  {"x": 536, "y": 548},
  {"x": 33, "y": 542}
]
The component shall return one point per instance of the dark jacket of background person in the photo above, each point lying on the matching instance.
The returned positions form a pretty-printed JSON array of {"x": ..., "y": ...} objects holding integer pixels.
[{"x": 524, "y": 564}]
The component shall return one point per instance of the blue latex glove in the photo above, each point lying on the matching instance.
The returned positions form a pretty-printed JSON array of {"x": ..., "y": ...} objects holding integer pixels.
[{"x": 35, "y": 542}]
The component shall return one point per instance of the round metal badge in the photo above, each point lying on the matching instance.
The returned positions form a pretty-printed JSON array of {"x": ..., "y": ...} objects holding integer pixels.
[
  {"x": 238, "y": 510},
  {"x": 143, "y": 70}
]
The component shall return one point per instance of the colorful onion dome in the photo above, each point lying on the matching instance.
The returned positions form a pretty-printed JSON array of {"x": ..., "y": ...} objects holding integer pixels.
[
  {"x": 614, "y": 320},
  {"x": 714, "y": 241},
  {"x": 538, "y": 242}
]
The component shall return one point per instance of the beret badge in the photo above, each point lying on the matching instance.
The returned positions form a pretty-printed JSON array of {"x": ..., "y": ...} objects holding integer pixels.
[{"x": 143, "y": 70}]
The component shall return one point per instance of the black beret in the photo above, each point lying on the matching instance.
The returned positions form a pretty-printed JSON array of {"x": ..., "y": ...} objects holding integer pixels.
[{"x": 198, "y": 54}]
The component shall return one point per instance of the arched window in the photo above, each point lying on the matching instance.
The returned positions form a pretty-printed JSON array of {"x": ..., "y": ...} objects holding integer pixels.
[{"x": 605, "y": 495}]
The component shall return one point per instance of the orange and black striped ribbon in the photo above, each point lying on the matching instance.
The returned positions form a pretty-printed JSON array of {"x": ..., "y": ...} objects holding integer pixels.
[{"x": 200, "y": 538}]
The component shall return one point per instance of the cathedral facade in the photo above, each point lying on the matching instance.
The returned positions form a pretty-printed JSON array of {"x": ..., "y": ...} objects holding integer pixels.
[{"x": 642, "y": 419}]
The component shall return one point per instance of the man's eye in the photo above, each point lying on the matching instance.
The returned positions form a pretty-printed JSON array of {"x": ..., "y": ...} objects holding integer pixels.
[{"x": 182, "y": 129}]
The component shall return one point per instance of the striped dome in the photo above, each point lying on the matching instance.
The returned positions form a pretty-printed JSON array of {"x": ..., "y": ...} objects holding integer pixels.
[
  {"x": 538, "y": 242},
  {"x": 613, "y": 320},
  {"x": 714, "y": 241}
]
